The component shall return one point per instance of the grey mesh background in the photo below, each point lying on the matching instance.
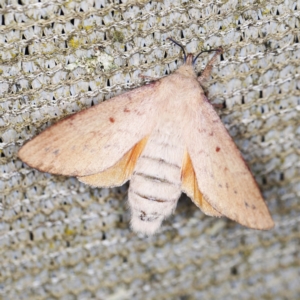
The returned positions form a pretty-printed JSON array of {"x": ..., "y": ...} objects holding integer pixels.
[{"x": 60, "y": 239}]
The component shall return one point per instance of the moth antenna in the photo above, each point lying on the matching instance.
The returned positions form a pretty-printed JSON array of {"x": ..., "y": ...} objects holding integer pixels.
[
  {"x": 180, "y": 45},
  {"x": 212, "y": 50}
]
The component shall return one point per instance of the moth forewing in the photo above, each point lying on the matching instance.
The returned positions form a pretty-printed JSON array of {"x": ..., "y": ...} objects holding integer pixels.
[
  {"x": 94, "y": 139},
  {"x": 223, "y": 176}
]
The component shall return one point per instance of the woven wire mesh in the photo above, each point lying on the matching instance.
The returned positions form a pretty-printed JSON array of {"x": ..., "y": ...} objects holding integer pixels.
[{"x": 60, "y": 239}]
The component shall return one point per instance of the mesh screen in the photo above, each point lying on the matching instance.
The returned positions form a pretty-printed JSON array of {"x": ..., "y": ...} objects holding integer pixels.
[{"x": 60, "y": 239}]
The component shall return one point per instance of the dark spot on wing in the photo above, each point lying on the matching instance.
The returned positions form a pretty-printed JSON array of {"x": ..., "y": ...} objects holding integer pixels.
[
  {"x": 253, "y": 206},
  {"x": 139, "y": 113},
  {"x": 55, "y": 152},
  {"x": 126, "y": 109},
  {"x": 227, "y": 185},
  {"x": 218, "y": 149},
  {"x": 211, "y": 133},
  {"x": 235, "y": 192},
  {"x": 246, "y": 204},
  {"x": 111, "y": 119},
  {"x": 220, "y": 185}
]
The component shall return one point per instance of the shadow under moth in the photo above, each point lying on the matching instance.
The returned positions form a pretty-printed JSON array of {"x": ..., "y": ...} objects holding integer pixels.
[{"x": 166, "y": 138}]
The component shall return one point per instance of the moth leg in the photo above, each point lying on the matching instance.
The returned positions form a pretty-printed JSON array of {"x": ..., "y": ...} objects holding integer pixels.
[{"x": 206, "y": 72}]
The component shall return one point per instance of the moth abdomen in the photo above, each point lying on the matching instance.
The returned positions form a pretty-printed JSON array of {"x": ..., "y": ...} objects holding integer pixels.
[
  {"x": 147, "y": 213},
  {"x": 155, "y": 184},
  {"x": 151, "y": 200}
]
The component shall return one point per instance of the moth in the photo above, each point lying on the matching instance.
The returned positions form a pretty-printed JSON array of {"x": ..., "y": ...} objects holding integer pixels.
[{"x": 166, "y": 138}]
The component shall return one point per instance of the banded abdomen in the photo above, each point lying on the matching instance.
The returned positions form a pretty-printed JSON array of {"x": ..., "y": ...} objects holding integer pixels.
[{"x": 156, "y": 181}]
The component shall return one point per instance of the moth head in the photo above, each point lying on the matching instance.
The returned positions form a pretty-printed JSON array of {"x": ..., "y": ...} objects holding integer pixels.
[{"x": 187, "y": 69}]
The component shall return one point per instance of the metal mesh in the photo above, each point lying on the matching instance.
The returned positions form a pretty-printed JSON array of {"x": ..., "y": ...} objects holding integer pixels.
[{"x": 60, "y": 239}]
